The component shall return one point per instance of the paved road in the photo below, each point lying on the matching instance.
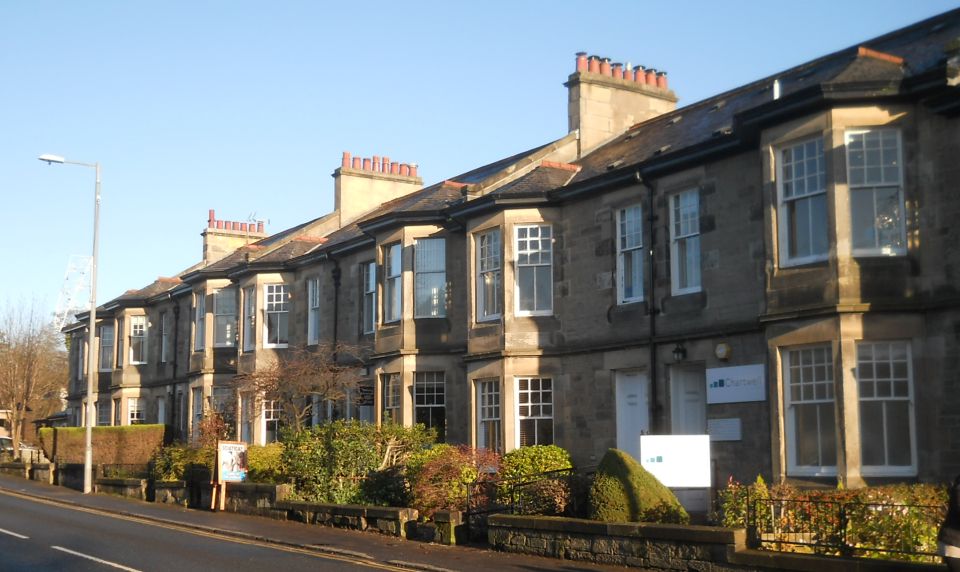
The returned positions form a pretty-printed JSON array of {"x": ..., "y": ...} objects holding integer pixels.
[{"x": 38, "y": 535}]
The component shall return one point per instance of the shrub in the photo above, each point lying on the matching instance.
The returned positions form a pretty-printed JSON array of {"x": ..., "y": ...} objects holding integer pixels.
[
  {"x": 264, "y": 465},
  {"x": 442, "y": 480},
  {"x": 903, "y": 517},
  {"x": 533, "y": 494},
  {"x": 623, "y": 491},
  {"x": 328, "y": 463},
  {"x": 179, "y": 462}
]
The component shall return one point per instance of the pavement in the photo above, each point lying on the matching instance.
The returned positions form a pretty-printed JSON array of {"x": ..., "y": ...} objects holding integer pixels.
[{"x": 370, "y": 546}]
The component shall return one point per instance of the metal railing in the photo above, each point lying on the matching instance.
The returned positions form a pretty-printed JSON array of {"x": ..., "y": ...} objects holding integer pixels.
[
  {"x": 850, "y": 529},
  {"x": 554, "y": 493}
]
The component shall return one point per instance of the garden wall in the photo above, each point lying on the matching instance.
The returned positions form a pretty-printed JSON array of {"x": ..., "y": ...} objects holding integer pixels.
[{"x": 663, "y": 547}]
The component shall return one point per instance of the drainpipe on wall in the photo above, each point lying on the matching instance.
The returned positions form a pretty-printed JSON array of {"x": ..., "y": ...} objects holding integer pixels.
[
  {"x": 336, "y": 273},
  {"x": 175, "y": 412},
  {"x": 652, "y": 309}
]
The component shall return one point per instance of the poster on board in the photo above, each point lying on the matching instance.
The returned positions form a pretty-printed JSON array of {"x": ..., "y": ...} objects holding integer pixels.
[{"x": 231, "y": 461}]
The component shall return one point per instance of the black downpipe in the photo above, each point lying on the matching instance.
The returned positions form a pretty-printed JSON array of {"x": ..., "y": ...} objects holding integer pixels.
[
  {"x": 652, "y": 309},
  {"x": 336, "y": 303}
]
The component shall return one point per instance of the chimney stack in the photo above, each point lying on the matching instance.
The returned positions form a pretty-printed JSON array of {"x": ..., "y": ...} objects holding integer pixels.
[
  {"x": 364, "y": 183},
  {"x": 604, "y": 99},
  {"x": 222, "y": 237}
]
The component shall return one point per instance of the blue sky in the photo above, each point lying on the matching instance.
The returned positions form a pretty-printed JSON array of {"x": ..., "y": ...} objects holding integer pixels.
[{"x": 246, "y": 107}]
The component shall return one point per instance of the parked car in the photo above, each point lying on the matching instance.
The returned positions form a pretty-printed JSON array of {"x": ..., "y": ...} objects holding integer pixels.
[
  {"x": 29, "y": 453},
  {"x": 6, "y": 447}
]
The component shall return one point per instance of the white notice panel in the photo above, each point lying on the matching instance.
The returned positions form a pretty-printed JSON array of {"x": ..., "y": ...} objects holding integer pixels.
[
  {"x": 724, "y": 429},
  {"x": 736, "y": 384},
  {"x": 677, "y": 460}
]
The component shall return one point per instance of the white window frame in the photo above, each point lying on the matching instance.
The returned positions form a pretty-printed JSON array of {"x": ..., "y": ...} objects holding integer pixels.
[
  {"x": 527, "y": 409},
  {"x": 196, "y": 399},
  {"x": 392, "y": 283},
  {"x": 489, "y": 413},
  {"x": 164, "y": 337},
  {"x": 873, "y": 187},
  {"x": 199, "y": 321},
  {"x": 103, "y": 412},
  {"x": 429, "y": 393},
  {"x": 106, "y": 348},
  {"x": 161, "y": 410},
  {"x": 138, "y": 339},
  {"x": 874, "y": 381},
  {"x": 430, "y": 278},
  {"x": 368, "y": 302},
  {"x": 685, "y": 242},
  {"x": 117, "y": 412},
  {"x": 788, "y": 356},
  {"x": 276, "y": 303},
  {"x": 489, "y": 275},
  {"x": 313, "y": 311},
  {"x": 136, "y": 411},
  {"x": 225, "y": 318},
  {"x": 391, "y": 387},
  {"x": 249, "y": 318},
  {"x": 271, "y": 415},
  {"x": 531, "y": 248},
  {"x": 783, "y": 201},
  {"x": 630, "y": 244}
]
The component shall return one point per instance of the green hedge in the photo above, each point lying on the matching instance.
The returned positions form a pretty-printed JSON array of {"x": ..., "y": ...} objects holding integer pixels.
[{"x": 122, "y": 445}]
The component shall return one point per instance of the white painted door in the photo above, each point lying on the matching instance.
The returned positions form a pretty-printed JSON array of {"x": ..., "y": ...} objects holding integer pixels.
[
  {"x": 633, "y": 410},
  {"x": 688, "y": 401}
]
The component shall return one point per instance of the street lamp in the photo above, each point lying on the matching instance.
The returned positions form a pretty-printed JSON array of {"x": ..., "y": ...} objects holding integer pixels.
[{"x": 91, "y": 339}]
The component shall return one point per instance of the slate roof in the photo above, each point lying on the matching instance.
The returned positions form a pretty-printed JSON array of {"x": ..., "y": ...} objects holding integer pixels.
[
  {"x": 921, "y": 46},
  {"x": 544, "y": 178}
]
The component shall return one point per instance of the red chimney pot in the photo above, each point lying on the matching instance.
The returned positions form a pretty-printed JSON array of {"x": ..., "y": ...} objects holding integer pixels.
[
  {"x": 346, "y": 159},
  {"x": 662, "y": 80},
  {"x": 376, "y": 163},
  {"x": 219, "y": 224},
  {"x": 405, "y": 170},
  {"x": 581, "y": 61},
  {"x": 394, "y": 168},
  {"x": 366, "y": 163},
  {"x": 651, "y": 77},
  {"x": 605, "y": 66},
  {"x": 260, "y": 227},
  {"x": 210, "y": 219},
  {"x": 356, "y": 163},
  {"x": 593, "y": 65},
  {"x": 413, "y": 170}
]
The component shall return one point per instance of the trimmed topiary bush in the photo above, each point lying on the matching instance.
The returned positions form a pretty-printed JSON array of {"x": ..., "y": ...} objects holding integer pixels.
[{"x": 623, "y": 491}]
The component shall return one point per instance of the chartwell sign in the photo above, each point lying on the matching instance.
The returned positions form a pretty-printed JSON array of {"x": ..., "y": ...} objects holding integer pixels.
[{"x": 736, "y": 384}]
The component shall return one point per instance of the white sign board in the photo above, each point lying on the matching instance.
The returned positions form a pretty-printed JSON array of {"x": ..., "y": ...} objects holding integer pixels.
[
  {"x": 724, "y": 429},
  {"x": 736, "y": 384},
  {"x": 677, "y": 460}
]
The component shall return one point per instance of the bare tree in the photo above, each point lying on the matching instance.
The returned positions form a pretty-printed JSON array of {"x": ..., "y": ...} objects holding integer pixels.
[
  {"x": 33, "y": 366},
  {"x": 302, "y": 377}
]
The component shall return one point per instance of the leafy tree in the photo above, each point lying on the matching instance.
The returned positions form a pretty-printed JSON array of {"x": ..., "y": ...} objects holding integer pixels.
[{"x": 33, "y": 366}]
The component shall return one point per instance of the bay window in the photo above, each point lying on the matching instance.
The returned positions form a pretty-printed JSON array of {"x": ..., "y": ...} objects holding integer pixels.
[
  {"x": 430, "y": 278},
  {"x": 199, "y": 321},
  {"x": 885, "y": 387},
  {"x": 534, "y": 269},
  {"x": 429, "y": 401},
  {"x": 488, "y": 414},
  {"x": 393, "y": 285},
  {"x": 276, "y": 307},
  {"x": 802, "y": 213},
  {"x": 106, "y": 347},
  {"x": 368, "y": 309},
  {"x": 313, "y": 311},
  {"x": 809, "y": 402},
  {"x": 225, "y": 318},
  {"x": 875, "y": 177},
  {"x": 138, "y": 339},
  {"x": 534, "y": 411},
  {"x": 489, "y": 275}
]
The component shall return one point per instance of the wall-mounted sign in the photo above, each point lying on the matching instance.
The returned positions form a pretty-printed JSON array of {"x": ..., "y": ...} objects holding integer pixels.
[
  {"x": 681, "y": 461},
  {"x": 736, "y": 384},
  {"x": 724, "y": 429}
]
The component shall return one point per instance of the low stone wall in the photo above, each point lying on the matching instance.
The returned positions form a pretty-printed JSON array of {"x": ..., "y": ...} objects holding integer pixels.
[
  {"x": 664, "y": 547},
  {"x": 393, "y": 521},
  {"x": 171, "y": 492},
  {"x": 42, "y": 472},
  {"x": 652, "y": 546},
  {"x": 130, "y": 488},
  {"x": 69, "y": 475},
  {"x": 15, "y": 469},
  {"x": 255, "y": 498}
]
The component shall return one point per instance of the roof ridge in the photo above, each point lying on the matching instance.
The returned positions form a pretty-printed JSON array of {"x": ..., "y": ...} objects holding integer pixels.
[
  {"x": 559, "y": 165},
  {"x": 863, "y": 51}
]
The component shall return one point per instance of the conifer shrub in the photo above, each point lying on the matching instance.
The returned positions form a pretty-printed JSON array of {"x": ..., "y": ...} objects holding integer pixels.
[{"x": 623, "y": 491}]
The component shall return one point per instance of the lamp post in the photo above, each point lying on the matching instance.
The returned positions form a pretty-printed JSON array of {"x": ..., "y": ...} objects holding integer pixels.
[{"x": 91, "y": 334}]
